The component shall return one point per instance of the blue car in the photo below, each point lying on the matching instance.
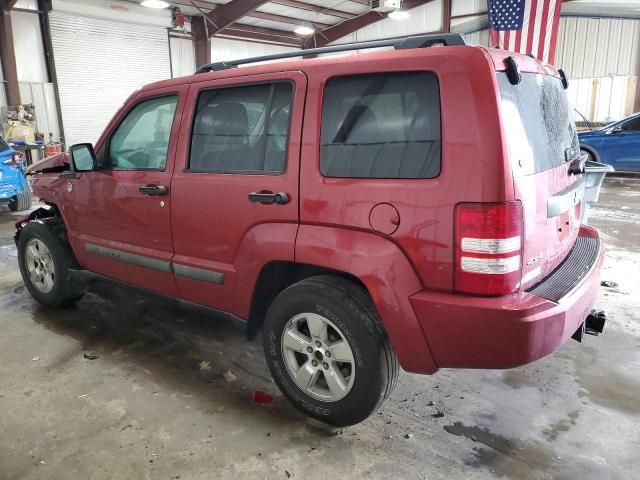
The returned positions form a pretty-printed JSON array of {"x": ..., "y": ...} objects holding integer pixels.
[
  {"x": 617, "y": 144},
  {"x": 14, "y": 188}
]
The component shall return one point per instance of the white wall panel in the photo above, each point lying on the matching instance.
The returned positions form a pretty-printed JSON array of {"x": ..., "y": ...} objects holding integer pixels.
[
  {"x": 480, "y": 37},
  {"x": 228, "y": 49},
  {"x": 99, "y": 63},
  {"x": 424, "y": 19},
  {"x": 29, "y": 48},
  {"x": 183, "y": 60},
  {"x": 467, "y": 7},
  {"x": 598, "y": 47}
]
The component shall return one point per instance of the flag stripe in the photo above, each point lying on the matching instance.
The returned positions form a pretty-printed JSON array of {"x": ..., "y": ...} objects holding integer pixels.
[
  {"x": 531, "y": 26},
  {"x": 543, "y": 30},
  {"x": 554, "y": 41}
]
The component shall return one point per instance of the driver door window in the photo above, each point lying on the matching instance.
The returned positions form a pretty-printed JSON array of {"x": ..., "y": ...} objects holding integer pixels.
[{"x": 142, "y": 139}]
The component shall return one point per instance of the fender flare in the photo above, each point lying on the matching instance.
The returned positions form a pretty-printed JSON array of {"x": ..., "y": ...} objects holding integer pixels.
[{"x": 386, "y": 273}]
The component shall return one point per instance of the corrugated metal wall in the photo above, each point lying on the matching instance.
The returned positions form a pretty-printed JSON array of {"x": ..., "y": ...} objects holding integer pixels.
[
  {"x": 598, "y": 47},
  {"x": 99, "y": 63}
]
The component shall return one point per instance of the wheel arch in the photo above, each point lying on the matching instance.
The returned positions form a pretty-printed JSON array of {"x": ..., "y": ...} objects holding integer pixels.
[
  {"x": 591, "y": 150},
  {"x": 369, "y": 260},
  {"x": 48, "y": 215}
]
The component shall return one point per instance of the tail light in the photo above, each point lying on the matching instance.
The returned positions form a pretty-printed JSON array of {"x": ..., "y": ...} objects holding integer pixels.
[
  {"x": 15, "y": 159},
  {"x": 488, "y": 238}
]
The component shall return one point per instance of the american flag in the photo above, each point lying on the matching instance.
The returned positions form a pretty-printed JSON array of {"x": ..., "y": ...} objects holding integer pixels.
[{"x": 525, "y": 26}]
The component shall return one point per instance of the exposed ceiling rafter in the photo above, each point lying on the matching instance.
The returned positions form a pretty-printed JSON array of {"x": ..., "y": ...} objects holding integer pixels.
[{"x": 346, "y": 27}]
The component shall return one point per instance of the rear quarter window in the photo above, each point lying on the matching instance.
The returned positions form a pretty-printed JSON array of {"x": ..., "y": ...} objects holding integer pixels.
[
  {"x": 537, "y": 122},
  {"x": 381, "y": 126}
]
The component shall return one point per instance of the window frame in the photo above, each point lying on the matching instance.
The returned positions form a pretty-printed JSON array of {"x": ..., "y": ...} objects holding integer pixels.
[
  {"x": 628, "y": 121},
  {"x": 107, "y": 165},
  {"x": 370, "y": 74},
  {"x": 202, "y": 90}
]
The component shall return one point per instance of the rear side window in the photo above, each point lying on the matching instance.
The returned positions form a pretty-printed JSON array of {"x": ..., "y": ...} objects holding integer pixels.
[
  {"x": 381, "y": 126},
  {"x": 538, "y": 123},
  {"x": 242, "y": 129},
  {"x": 632, "y": 125}
]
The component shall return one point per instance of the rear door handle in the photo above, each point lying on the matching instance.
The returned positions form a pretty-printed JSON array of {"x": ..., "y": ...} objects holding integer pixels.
[
  {"x": 153, "y": 190},
  {"x": 268, "y": 198}
]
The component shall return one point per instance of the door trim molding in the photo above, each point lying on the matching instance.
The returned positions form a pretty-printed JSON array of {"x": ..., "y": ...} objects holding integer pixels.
[
  {"x": 195, "y": 273},
  {"x": 179, "y": 269}
]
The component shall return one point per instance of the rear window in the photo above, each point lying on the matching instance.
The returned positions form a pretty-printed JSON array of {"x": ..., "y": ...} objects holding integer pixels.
[
  {"x": 537, "y": 120},
  {"x": 381, "y": 126}
]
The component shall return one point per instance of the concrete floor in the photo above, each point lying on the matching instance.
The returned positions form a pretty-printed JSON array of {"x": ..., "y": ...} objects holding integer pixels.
[{"x": 156, "y": 403}]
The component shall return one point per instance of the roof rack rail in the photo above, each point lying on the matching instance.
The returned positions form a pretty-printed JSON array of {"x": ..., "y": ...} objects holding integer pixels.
[{"x": 422, "y": 41}]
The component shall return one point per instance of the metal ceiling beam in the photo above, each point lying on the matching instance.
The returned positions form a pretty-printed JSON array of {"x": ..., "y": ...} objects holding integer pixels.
[
  {"x": 259, "y": 34},
  {"x": 225, "y": 15},
  {"x": 284, "y": 19},
  {"x": 7, "y": 4},
  {"x": 314, "y": 8},
  {"x": 342, "y": 29}
]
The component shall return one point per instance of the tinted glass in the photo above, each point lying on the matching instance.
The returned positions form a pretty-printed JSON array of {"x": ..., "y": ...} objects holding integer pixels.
[
  {"x": 381, "y": 126},
  {"x": 142, "y": 139},
  {"x": 242, "y": 129},
  {"x": 632, "y": 125},
  {"x": 538, "y": 124}
]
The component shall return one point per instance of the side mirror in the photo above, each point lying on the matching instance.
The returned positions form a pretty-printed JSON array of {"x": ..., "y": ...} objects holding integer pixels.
[
  {"x": 615, "y": 130},
  {"x": 83, "y": 158}
]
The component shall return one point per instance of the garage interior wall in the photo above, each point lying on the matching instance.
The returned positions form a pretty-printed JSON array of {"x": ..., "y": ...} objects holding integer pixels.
[
  {"x": 183, "y": 59},
  {"x": 601, "y": 56},
  {"x": 33, "y": 77},
  {"x": 100, "y": 62},
  {"x": 229, "y": 49}
]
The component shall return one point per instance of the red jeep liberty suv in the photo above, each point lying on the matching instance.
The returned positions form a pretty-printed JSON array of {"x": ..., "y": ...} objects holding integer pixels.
[{"x": 415, "y": 207}]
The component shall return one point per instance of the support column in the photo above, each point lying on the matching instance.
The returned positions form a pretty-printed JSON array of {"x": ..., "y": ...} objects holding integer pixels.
[
  {"x": 446, "y": 16},
  {"x": 8, "y": 58},
  {"x": 201, "y": 41}
]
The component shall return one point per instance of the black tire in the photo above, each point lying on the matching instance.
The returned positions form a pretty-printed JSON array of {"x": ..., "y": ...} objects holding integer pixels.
[
  {"x": 22, "y": 201},
  {"x": 589, "y": 155},
  {"x": 349, "y": 307},
  {"x": 66, "y": 291}
]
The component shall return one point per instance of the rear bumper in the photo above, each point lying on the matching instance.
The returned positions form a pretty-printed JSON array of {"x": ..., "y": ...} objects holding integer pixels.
[{"x": 504, "y": 332}]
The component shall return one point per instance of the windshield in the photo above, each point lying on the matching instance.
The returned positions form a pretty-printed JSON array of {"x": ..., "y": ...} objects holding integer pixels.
[
  {"x": 3, "y": 145},
  {"x": 537, "y": 122}
]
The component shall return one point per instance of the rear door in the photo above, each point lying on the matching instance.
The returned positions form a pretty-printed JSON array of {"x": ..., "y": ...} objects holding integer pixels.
[
  {"x": 542, "y": 142},
  {"x": 235, "y": 187},
  {"x": 622, "y": 145}
]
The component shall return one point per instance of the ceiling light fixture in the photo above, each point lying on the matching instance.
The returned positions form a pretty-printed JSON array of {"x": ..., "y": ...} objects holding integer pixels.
[
  {"x": 157, "y": 4},
  {"x": 304, "y": 31},
  {"x": 399, "y": 15}
]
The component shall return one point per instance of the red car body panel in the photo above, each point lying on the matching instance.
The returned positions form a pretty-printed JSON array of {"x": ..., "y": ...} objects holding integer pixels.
[
  {"x": 206, "y": 221},
  {"x": 503, "y": 332}
]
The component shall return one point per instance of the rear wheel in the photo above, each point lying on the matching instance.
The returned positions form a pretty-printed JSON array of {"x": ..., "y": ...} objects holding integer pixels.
[
  {"x": 327, "y": 351},
  {"x": 44, "y": 261},
  {"x": 22, "y": 201}
]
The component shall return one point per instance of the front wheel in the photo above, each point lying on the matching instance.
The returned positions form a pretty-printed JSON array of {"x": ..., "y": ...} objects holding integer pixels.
[
  {"x": 44, "y": 261},
  {"x": 327, "y": 351}
]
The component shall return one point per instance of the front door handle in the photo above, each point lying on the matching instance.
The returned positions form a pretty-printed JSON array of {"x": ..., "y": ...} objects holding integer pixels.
[
  {"x": 268, "y": 198},
  {"x": 153, "y": 190}
]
